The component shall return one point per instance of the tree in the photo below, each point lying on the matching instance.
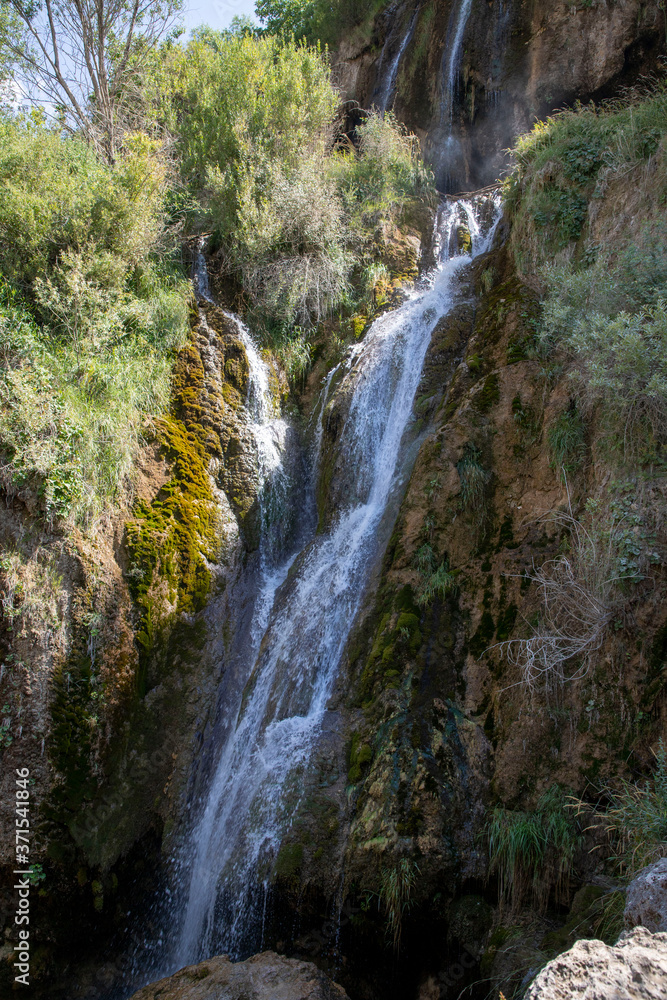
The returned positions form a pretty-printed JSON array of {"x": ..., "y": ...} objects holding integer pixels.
[
  {"x": 79, "y": 58},
  {"x": 291, "y": 17}
]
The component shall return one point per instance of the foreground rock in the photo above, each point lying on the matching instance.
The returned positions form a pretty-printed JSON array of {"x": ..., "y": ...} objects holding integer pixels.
[
  {"x": 634, "y": 969},
  {"x": 646, "y": 903},
  {"x": 263, "y": 977}
]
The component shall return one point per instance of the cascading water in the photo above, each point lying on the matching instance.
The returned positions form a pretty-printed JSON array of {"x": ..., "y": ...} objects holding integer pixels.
[
  {"x": 451, "y": 59},
  {"x": 304, "y": 620},
  {"x": 448, "y": 145},
  {"x": 384, "y": 90},
  {"x": 271, "y": 436}
]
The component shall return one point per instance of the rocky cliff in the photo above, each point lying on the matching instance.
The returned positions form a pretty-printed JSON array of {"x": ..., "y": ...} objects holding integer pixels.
[
  {"x": 509, "y": 64},
  {"x": 506, "y": 669}
]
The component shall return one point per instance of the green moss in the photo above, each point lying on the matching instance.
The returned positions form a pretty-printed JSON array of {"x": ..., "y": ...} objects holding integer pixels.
[
  {"x": 489, "y": 395},
  {"x": 171, "y": 540},
  {"x": 506, "y": 535},
  {"x": 408, "y": 621},
  {"x": 359, "y": 759},
  {"x": 289, "y": 862},
  {"x": 412, "y": 824}
]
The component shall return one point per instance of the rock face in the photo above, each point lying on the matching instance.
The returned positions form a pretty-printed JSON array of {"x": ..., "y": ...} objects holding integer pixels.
[
  {"x": 646, "y": 904},
  {"x": 514, "y": 62},
  {"x": 635, "y": 969},
  {"x": 263, "y": 977}
]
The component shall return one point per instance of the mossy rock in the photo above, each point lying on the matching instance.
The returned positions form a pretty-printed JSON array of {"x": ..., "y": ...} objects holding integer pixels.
[
  {"x": 289, "y": 862},
  {"x": 489, "y": 394}
]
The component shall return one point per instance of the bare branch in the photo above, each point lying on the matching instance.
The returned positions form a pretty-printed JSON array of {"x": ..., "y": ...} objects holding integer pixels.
[{"x": 81, "y": 55}]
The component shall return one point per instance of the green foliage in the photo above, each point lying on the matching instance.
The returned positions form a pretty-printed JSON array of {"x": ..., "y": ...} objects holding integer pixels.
[
  {"x": 314, "y": 20},
  {"x": 382, "y": 179},
  {"x": 396, "y": 889},
  {"x": 533, "y": 852},
  {"x": 603, "y": 317},
  {"x": 617, "y": 361},
  {"x": 636, "y": 817},
  {"x": 254, "y": 119},
  {"x": 437, "y": 581},
  {"x": 567, "y": 442},
  {"x": 36, "y": 874},
  {"x": 489, "y": 394},
  {"x": 79, "y": 238},
  {"x": 475, "y": 481},
  {"x": 562, "y": 160},
  {"x": 238, "y": 102},
  {"x": 72, "y": 415},
  {"x": 56, "y": 196}
]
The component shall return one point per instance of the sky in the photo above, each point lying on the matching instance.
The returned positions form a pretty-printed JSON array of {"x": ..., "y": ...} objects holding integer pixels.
[{"x": 216, "y": 13}]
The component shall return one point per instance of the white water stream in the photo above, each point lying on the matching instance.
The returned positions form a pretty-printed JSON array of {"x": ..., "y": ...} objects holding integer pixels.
[
  {"x": 452, "y": 58},
  {"x": 387, "y": 77},
  {"x": 303, "y": 618}
]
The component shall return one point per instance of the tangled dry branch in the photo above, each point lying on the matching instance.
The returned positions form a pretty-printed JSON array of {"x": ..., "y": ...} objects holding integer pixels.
[{"x": 579, "y": 599}]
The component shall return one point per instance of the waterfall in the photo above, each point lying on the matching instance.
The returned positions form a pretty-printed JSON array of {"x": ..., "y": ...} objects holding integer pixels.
[
  {"x": 226, "y": 859},
  {"x": 451, "y": 59},
  {"x": 387, "y": 80},
  {"x": 271, "y": 436}
]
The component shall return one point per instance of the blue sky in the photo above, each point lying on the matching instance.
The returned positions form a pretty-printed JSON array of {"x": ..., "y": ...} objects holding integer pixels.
[{"x": 216, "y": 13}]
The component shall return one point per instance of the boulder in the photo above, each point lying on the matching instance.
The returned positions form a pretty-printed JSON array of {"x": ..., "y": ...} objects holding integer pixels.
[
  {"x": 263, "y": 977},
  {"x": 646, "y": 901},
  {"x": 634, "y": 969}
]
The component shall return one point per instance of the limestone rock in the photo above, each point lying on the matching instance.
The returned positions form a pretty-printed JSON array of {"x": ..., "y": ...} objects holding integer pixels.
[
  {"x": 646, "y": 903},
  {"x": 263, "y": 977},
  {"x": 634, "y": 969}
]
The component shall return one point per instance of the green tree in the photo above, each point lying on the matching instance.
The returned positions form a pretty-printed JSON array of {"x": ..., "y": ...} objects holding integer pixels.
[{"x": 82, "y": 57}]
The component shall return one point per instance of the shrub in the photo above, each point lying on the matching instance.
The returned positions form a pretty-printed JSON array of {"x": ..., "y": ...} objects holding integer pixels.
[
  {"x": 254, "y": 120},
  {"x": 475, "y": 481},
  {"x": 384, "y": 177},
  {"x": 583, "y": 589},
  {"x": 396, "y": 888},
  {"x": 567, "y": 159},
  {"x": 290, "y": 245},
  {"x": 636, "y": 818},
  {"x": 55, "y": 196},
  {"x": 533, "y": 852},
  {"x": 71, "y": 415},
  {"x": 566, "y": 438},
  {"x": 314, "y": 19}
]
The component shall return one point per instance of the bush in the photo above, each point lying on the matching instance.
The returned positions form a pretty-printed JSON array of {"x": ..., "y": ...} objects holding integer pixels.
[
  {"x": 71, "y": 416},
  {"x": 603, "y": 314},
  {"x": 55, "y": 196},
  {"x": 618, "y": 361},
  {"x": 85, "y": 350},
  {"x": 567, "y": 159},
  {"x": 290, "y": 245},
  {"x": 567, "y": 443},
  {"x": 636, "y": 818},
  {"x": 315, "y": 20},
  {"x": 533, "y": 852},
  {"x": 384, "y": 177}
]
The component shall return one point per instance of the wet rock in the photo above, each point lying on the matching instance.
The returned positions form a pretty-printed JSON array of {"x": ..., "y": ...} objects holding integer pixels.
[
  {"x": 263, "y": 977},
  {"x": 646, "y": 903},
  {"x": 634, "y": 969}
]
